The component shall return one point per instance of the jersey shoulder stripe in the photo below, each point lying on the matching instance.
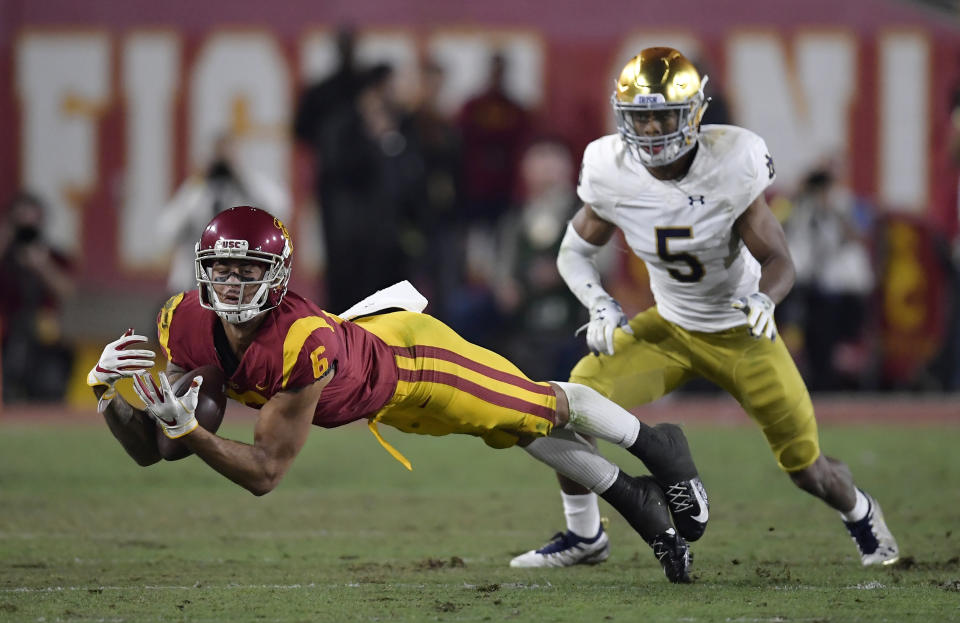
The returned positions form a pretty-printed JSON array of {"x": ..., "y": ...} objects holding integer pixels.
[
  {"x": 164, "y": 320},
  {"x": 296, "y": 337}
]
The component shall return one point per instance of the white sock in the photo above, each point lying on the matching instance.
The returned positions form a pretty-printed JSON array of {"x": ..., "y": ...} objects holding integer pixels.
[
  {"x": 859, "y": 510},
  {"x": 583, "y": 514},
  {"x": 592, "y": 414},
  {"x": 576, "y": 459}
]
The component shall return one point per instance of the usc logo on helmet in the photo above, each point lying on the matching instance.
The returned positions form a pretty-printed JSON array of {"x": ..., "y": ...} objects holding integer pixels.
[{"x": 283, "y": 229}]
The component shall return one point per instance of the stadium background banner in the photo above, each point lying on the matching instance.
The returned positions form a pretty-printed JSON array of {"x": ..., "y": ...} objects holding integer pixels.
[{"x": 107, "y": 106}]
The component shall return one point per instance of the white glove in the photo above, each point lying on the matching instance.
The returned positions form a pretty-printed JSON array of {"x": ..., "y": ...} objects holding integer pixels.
[
  {"x": 174, "y": 413},
  {"x": 759, "y": 310},
  {"x": 605, "y": 316},
  {"x": 116, "y": 363}
]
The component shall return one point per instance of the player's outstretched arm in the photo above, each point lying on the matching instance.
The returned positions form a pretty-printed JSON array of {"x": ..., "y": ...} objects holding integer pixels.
[
  {"x": 135, "y": 431},
  {"x": 763, "y": 236},
  {"x": 282, "y": 428}
]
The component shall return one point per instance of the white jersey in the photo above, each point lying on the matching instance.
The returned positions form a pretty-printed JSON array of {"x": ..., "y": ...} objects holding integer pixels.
[{"x": 683, "y": 229}]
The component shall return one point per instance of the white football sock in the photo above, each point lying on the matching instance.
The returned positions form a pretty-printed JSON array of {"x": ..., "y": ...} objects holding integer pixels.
[
  {"x": 583, "y": 514},
  {"x": 576, "y": 459},
  {"x": 860, "y": 508},
  {"x": 592, "y": 414}
]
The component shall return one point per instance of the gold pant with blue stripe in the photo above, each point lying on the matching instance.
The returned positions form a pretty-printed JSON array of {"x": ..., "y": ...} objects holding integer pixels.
[
  {"x": 760, "y": 374},
  {"x": 448, "y": 385}
]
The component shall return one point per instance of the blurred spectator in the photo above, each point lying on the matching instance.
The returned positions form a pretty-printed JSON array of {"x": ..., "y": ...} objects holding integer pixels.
[
  {"x": 35, "y": 281},
  {"x": 541, "y": 313},
  {"x": 322, "y": 103},
  {"x": 830, "y": 233},
  {"x": 438, "y": 268},
  {"x": 224, "y": 184},
  {"x": 390, "y": 178},
  {"x": 368, "y": 180},
  {"x": 494, "y": 129},
  {"x": 367, "y": 171}
]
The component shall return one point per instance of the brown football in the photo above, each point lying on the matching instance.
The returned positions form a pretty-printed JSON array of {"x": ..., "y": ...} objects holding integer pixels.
[{"x": 211, "y": 404}]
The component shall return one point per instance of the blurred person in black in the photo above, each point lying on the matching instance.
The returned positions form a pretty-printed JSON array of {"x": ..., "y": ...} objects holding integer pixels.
[
  {"x": 541, "y": 314},
  {"x": 368, "y": 182},
  {"x": 35, "y": 281},
  {"x": 322, "y": 102},
  {"x": 366, "y": 176}
]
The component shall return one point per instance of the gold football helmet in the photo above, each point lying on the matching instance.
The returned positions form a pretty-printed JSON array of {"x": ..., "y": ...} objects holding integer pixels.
[{"x": 664, "y": 82}]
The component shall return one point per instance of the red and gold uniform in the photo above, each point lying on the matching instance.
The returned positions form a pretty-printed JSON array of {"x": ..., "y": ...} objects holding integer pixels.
[{"x": 405, "y": 369}]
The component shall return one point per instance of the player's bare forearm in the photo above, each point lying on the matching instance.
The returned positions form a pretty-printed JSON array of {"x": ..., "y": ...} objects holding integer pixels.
[
  {"x": 777, "y": 276},
  {"x": 764, "y": 237},
  {"x": 132, "y": 427},
  {"x": 247, "y": 465},
  {"x": 282, "y": 429}
]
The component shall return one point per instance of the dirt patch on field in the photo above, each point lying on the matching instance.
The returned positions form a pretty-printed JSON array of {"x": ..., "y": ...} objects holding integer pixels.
[{"x": 436, "y": 563}]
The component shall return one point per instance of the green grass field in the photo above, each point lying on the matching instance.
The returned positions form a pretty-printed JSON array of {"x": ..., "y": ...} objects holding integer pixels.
[{"x": 85, "y": 535}]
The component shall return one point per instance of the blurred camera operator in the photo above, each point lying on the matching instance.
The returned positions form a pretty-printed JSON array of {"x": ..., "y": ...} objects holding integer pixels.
[{"x": 35, "y": 281}]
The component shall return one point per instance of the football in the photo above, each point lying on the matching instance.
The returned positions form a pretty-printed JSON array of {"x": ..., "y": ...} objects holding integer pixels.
[{"x": 211, "y": 403}]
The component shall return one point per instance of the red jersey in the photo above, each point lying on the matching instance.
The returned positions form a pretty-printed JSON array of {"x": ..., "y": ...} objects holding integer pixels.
[{"x": 296, "y": 344}]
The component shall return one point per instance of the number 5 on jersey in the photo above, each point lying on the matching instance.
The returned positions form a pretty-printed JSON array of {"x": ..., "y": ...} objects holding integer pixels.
[{"x": 664, "y": 234}]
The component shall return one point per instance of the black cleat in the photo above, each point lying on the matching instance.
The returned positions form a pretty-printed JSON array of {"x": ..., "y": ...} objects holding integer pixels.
[
  {"x": 674, "y": 555},
  {"x": 664, "y": 450},
  {"x": 640, "y": 501}
]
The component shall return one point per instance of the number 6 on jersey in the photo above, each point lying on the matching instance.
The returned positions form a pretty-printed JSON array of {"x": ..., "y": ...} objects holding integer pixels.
[{"x": 696, "y": 268}]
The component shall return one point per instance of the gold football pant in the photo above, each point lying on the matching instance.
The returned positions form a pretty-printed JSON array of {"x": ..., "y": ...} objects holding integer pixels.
[
  {"x": 448, "y": 385},
  {"x": 760, "y": 374}
]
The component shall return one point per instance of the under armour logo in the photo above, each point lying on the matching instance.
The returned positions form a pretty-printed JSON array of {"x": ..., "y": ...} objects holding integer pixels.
[
  {"x": 770, "y": 170},
  {"x": 693, "y": 199}
]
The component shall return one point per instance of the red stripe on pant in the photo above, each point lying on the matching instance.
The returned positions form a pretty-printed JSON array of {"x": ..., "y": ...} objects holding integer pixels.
[
  {"x": 443, "y": 354},
  {"x": 479, "y": 391}
]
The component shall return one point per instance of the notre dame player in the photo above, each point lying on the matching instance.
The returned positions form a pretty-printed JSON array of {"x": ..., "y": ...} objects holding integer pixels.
[{"x": 690, "y": 203}]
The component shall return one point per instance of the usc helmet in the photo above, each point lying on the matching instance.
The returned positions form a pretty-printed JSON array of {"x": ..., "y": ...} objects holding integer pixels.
[
  {"x": 660, "y": 79},
  {"x": 253, "y": 234}
]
